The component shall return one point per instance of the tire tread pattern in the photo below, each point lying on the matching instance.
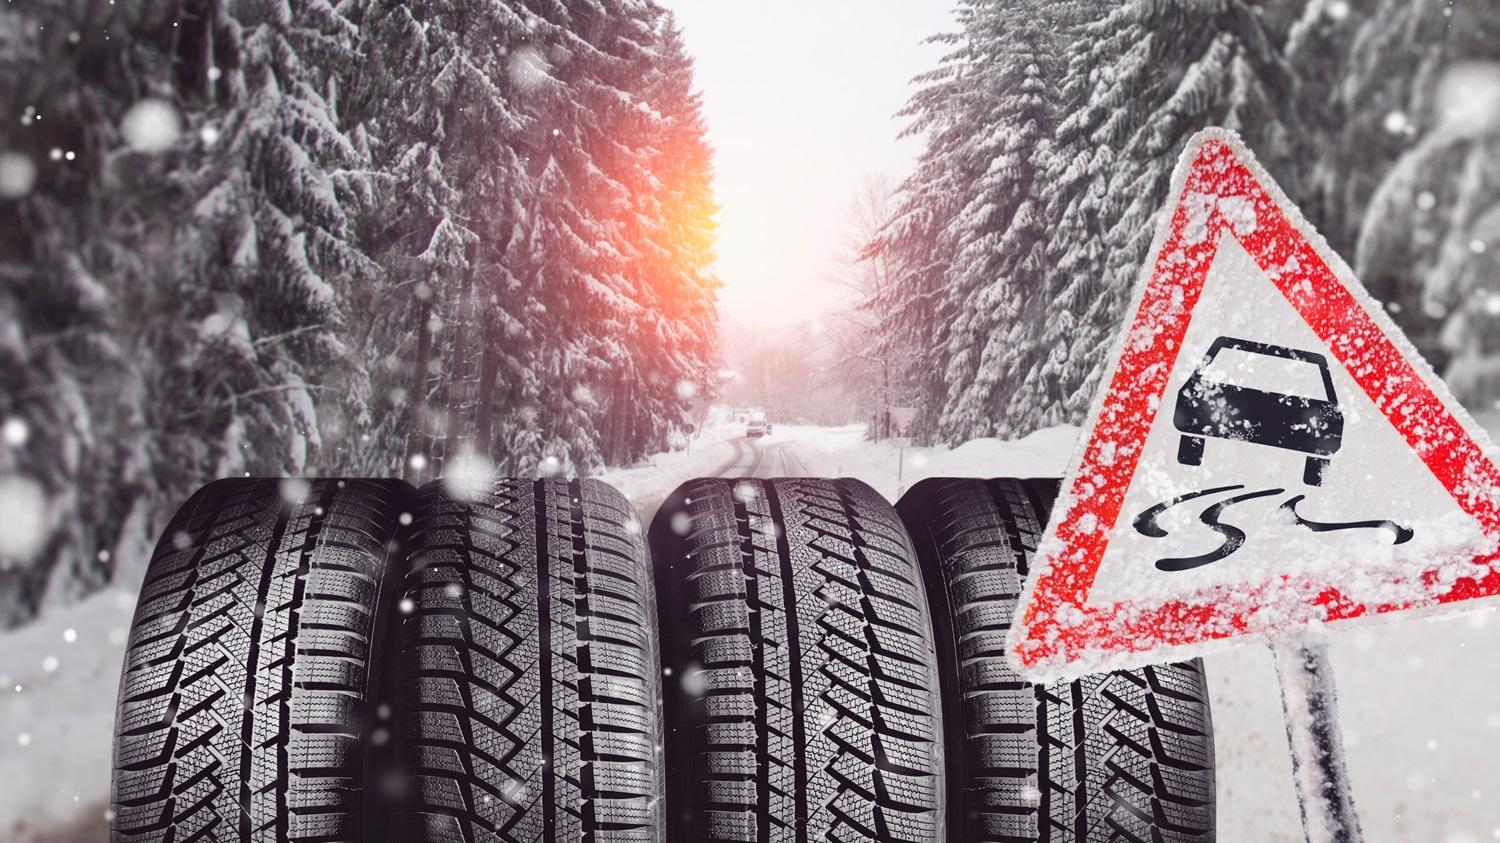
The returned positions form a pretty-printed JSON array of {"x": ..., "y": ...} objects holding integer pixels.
[
  {"x": 1124, "y": 756},
  {"x": 805, "y": 706},
  {"x": 244, "y": 695},
  {"x": 531, "y": 700}
]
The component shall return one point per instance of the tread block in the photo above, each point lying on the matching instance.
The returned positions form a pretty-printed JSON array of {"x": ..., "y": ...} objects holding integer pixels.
[
  {"x": 249, "y": 679},
  {"x": 805, "y": 702},
  {"x": 534, "y": 707}
]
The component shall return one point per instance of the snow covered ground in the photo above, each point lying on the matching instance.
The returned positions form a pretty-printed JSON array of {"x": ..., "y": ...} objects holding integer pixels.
[{"x": 1420, "y": 700}]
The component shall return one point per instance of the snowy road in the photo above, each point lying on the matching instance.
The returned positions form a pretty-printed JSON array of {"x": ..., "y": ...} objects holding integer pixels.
[
  {"x": 757, "y": 457},
  {"x": 1420, "y": 700}
]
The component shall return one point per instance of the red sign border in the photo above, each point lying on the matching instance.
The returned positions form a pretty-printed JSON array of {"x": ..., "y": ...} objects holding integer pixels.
[{"x": 1059, "y": 633}]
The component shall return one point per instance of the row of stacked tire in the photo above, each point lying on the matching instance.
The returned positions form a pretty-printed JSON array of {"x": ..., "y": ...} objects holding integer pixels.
[{"x": 791, "y": 659}]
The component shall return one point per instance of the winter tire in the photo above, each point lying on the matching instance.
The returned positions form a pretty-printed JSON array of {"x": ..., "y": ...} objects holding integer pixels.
[
  {"x": 1126, "y": 756},
  {"x": 531, "y": 698},
  {"x": 246, "y": 698},
  {"x": 802, "y": 691}
]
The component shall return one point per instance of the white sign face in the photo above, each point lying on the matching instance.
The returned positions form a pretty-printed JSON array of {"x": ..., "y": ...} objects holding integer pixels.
[
  {"x": 1246, "y": 421},
  {"x": 1268, "y": 451},
  {"x": 902, "y": 417}
]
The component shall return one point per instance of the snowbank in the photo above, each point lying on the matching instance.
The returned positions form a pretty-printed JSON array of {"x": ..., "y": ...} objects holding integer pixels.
[
  {"x": 843, "y": 452},
  {"x": 58, "y": 681}
]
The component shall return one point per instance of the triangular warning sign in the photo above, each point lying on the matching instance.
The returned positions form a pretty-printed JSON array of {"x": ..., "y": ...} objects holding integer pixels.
[{"x": 1268, "y": 451}]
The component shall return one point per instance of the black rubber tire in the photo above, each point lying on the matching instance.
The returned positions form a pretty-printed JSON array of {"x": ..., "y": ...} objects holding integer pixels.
[
  {"x": 515, "y": 729},
  {"x": 1125, "y": 756},
  {"x": 248, "y": 686},
  {"x": 820, "y": 723}
]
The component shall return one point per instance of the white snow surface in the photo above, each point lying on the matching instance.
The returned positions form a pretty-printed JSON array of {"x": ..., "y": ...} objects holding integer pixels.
[{"x": 1420, "y": 700}]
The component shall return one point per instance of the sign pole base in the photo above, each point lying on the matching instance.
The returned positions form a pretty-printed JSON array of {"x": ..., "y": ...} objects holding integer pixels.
[{"x": 1310, "y": 705}]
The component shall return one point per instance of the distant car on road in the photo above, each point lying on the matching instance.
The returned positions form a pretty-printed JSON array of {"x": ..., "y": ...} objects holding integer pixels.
[
  {"x": 756, "y": 428},
  {"x": 1212, "y": 404}
]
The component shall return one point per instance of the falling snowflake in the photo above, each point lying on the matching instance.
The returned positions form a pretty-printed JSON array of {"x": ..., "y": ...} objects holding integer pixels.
[
  {"x": 417, "y": 462},
  {"x": 15, "y": 432},
  {"x": 28, "y": 522},
  {"x": 151, "y": 125},
  {"x": 1468, "y": 98},
  {"x": 528, "y": 68},
  {"x": 17, "y": 175},
  {"x": 686, "y": 390},
  {"x": 295, "y": 490},
  {"x": 695, "y": 681},
  {"x": 1397, "y": 123},
  {"x": 467, "y": 477},
  {"x": 681, "y": 523}
]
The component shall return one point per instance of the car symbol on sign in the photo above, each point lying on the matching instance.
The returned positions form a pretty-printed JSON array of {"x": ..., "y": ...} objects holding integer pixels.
[{"x": 1209, "y": 404}]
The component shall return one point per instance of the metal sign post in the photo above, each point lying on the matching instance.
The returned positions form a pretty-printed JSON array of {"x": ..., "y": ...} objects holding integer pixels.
[
  {"x": 901, "y": 443},
  {"x": 902, "y": 418},
  {"x": 1309, "y": 702}
]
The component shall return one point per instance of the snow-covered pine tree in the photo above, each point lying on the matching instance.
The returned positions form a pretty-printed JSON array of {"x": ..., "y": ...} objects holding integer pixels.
[
  {"x": 184, "y": 243},
  {"x": 996, "y": 278},
  {"x": 1155, "y": 72},
  {"x": 1427, "y": 85},
  {"x": 616, "y": 130},
  {"x": 912, "y": 242},
  {"x": 667, "y": 228},
  {"x": 1092, "y": 124},
  {"x": 683, "y": 328},
  {"x": 536, "y": 219},
  {"x": 68, "y": 483},
  {"x": 277, "y": 249},
  {"x": 438, "y": 97},
  {"x": 278, "y": 236}
]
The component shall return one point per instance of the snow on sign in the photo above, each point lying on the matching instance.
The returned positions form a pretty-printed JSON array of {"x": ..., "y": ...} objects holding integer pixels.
[{"x": 1268, "y": 451}]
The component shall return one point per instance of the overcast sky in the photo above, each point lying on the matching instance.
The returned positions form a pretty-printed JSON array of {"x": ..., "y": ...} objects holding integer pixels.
[{"x": 799, "y": 98}]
